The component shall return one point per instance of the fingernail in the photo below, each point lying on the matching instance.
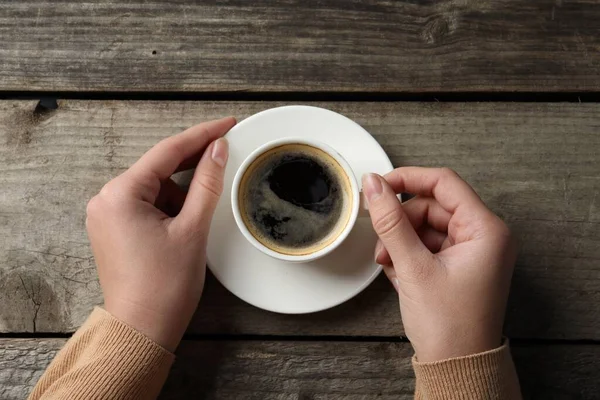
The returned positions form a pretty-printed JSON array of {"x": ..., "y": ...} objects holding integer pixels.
[
  {"x": 395, "y": 283},
  {"x": 378, "y": 248},
  {"x": 372, "y": 187},
  {"x": 220, "y": 152}
]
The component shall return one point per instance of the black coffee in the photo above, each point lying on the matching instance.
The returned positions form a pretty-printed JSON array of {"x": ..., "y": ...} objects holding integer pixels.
[{"x": 293, "y": 198}]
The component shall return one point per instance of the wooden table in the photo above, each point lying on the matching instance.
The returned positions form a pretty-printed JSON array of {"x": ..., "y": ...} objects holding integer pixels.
[{"x": 505, "y": 92}]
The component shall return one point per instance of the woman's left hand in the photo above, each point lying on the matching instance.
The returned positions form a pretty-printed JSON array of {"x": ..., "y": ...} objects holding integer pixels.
[{"x": 149, "y": 236}]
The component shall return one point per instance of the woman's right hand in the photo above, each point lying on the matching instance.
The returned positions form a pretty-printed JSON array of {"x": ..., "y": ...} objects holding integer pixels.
[{"x": 448, "y": 256}]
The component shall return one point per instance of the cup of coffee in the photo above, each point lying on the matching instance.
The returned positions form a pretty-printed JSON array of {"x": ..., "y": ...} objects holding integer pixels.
[{"x": 295, "y": 199}]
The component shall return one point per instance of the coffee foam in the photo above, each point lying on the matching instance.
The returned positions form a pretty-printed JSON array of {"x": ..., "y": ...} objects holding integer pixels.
[{"x": 303, "y": 220}]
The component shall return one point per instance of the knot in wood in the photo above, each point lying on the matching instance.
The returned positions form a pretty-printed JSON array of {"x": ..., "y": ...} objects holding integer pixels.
[{"x": 437, "y": 29}]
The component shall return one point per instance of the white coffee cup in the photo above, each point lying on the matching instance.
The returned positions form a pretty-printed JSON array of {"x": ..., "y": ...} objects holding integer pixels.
[{"x": 357, "y": 205}]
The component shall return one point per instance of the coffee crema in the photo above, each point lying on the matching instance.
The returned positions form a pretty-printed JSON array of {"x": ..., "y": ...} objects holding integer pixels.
[{"x": 295, "y": 199}]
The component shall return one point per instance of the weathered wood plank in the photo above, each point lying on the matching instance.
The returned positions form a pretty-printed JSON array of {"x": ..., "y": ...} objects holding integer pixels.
[
  {"x": 312, "y": 370},
  {"x": 298, "y": 45},
  {"x": 246, "y": 370},
  {"x": 535, "y": 164}
]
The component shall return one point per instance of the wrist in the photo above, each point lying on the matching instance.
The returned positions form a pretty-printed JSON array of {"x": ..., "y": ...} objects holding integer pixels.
[{"x": 151, "y": 323}]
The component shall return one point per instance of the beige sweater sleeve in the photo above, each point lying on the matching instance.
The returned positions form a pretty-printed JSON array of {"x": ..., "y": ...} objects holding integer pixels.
[
  {"x": 487, "y": 375},
  {"x": 105, "y": 359}
]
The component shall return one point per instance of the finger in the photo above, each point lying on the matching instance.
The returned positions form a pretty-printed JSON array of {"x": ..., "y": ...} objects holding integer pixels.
[
  {"x": 470, "y": 216},
  {"x": 392, "y": 225},
  {"x": 427, "y": 211},
  {"x": 190, "y": 163},
  {"x": 441, "y": 183},
  {"x": 170, "y": 198},
  {"x": 162, "y": 160},
  {"x": 421, "y": 211},
  {"x": 391, "y": 275},
  {"x": 205, "y": 188},
  {"x": 382, "y": 257},
  {"x": 431, "y": 238}
]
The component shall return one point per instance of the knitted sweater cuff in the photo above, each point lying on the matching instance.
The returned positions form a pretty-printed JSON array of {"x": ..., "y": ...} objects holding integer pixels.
[
  {"x": 105, "y": 359},
  {"x": 487, "y": 375}
]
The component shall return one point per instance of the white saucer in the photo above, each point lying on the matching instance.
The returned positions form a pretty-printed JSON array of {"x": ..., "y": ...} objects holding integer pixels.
[{"x": 295, "y": 288}]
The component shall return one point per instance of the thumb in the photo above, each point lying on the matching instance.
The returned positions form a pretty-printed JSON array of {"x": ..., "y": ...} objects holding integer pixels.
[
  {"x": 206, "y": 187},
  {"x": 393, "y": 226}
]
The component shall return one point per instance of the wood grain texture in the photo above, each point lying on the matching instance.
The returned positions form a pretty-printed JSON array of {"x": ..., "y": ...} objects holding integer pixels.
[
  {"x": 298, "y": 45},
  {"x": 312, "y": 370},
  {"x": 535, "y": 164}
]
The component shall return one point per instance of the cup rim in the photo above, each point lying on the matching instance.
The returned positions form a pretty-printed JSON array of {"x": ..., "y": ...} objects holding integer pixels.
[{"x": 295, "y": 140}]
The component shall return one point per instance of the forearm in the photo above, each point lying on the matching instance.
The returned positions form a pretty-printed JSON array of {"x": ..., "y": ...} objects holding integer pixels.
[
  {"x": 105, "y": 359},
  {"x": 487, "y": 375}
]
